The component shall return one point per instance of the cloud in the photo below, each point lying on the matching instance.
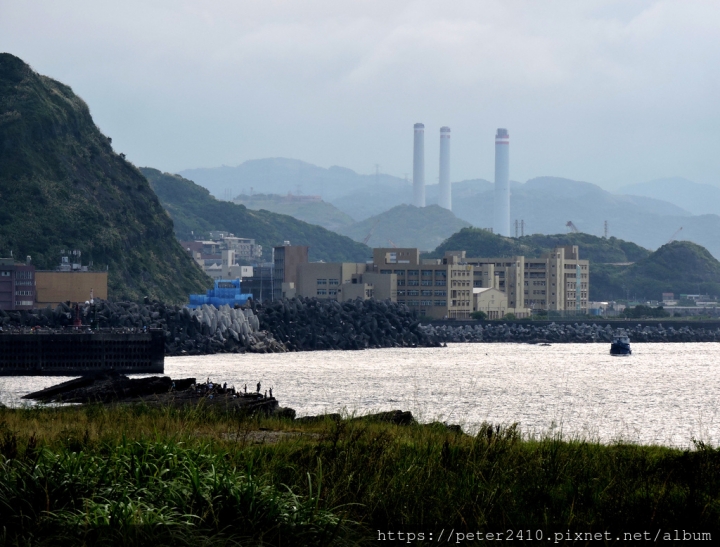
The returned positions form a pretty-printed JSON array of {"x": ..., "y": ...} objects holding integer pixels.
[{"x": 606, "y": 91}]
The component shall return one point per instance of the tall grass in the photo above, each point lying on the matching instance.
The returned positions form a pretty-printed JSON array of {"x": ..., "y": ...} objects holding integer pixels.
[{"x": 136, "y": 474}]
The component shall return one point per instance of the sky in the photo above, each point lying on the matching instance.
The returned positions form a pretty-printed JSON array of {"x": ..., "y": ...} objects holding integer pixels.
[{"x": 606, "y": 91}]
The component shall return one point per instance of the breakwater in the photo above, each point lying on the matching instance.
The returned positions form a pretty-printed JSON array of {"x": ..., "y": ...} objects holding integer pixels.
[
  {"x": 304, "y": 324},
  {"x": 568, "y": 333},
  {"x": 297, "y": 324}
]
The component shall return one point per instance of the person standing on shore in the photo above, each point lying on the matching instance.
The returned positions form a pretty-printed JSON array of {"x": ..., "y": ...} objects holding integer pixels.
[
  {"x": 271, "y": 393},
  {"x": 258, "y": 387}
]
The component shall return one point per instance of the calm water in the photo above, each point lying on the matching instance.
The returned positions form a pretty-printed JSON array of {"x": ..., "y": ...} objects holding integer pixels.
[{"x": 663, "y": 394}]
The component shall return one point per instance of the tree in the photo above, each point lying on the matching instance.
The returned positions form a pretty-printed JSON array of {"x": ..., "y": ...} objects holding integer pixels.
[{"x": 479, "y": 315}]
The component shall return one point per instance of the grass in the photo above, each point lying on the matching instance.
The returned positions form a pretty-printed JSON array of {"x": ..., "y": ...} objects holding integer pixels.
[{"x": 135, "y": 475}]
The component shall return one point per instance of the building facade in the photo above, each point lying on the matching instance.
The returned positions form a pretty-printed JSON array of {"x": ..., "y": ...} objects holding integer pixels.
[
  {"x": 17, "y": 285},
  {"x": 54, "y": 287},
  {"x": 286, "y": 260}
]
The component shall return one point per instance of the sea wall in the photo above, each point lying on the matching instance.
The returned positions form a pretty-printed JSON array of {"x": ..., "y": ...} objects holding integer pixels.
[{"x": 565, "y": 332}]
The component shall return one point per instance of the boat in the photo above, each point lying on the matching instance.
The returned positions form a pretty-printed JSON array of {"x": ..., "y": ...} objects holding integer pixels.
[{"x": 620, "y": 345}]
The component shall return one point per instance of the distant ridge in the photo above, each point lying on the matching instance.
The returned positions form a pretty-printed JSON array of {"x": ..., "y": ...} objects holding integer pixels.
[{"x": 194, "y": 210}]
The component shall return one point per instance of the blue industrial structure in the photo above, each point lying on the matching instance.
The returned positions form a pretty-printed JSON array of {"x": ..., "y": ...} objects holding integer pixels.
[{"x": 226, "y": 291}]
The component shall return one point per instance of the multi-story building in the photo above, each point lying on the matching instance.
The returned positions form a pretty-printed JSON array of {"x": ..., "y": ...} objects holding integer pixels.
[
  {"x": 286, "y": 259},
  {"x": 17, "y": 285},
  {"x": 437, "y": 288},
  {"x": 343, "y": 281},
  {"x": 557, "y": 281}
]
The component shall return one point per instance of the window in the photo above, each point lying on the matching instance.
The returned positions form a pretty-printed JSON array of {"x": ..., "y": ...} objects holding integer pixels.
[
  {"x": 441, "y": 302},
  {"x": 413, "y": 303},
  {"x": 426, "y": 282},
  {"x": 440, "y": 273},
  {"x": 413, "y": 282},
  {"x": 413, "y": 293},
  {"x": 332, "y": 292},
  {"x": 413, "y": 272},
  {"x": 4, "y": 273},
  {"x": 333, "y": 281},
  {"x": 401, "y": 293},
  {"x": 401, "y": 302},
  {"x": 426, "y": 302},
  {"x": 399, "y": 272},
  {"x": 322, "y": 292},
  {"x": 322, "y": 281},
  {"x": 426, "y": 293},
  {"x": 440, "y": 283},
  {"x": 427, "y": 273},
  {"x": 401, "y": 282},
  {"x": 440, "y": 293},
  {"x": 385, "y": 271}
]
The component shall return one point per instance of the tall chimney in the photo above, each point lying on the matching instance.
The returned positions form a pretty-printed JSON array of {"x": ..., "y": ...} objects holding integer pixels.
[
  {"x": 445, "y": 190},
  {"x": 502, "y": 183},
  {"x": 419, "y": 166}
]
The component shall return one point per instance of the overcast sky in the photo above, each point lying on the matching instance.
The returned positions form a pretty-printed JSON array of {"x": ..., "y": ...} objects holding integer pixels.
[{"x": 606, "y": 91}]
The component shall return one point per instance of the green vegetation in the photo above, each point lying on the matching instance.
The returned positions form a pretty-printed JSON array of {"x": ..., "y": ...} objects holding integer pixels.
[
  {"x": 479, "y": 315},
  {"x": 678, "y": 267},
  {"x": 139, "y": 475},
  {"x": 320, "y": 212},
  {"x": 482, "y": 243},
  {"x": 407, "y": 226},
  {"x": 63, "y": 187},
  {"x": 194, "y": 210}
]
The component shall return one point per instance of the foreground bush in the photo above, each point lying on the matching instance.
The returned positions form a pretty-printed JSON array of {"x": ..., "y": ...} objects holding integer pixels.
[{"x": 138, "y": 475}]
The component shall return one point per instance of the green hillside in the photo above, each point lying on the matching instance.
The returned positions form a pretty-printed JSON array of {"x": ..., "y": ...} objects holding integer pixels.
[
  {"x": 407, "y": 226},
  {"x": 63, "y": 187},
  {"x": 320, "y": 212},
  {"x": 678, "y": 267},
  {"x": 481, "y": 243},
  {"x": 195, "y": 211}
]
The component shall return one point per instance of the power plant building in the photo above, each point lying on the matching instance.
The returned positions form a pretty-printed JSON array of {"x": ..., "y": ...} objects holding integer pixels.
[
  {"x": 419, "y": 166},
  {"x": 501, "y": 224},
  {"x": 445, "y": 188}
]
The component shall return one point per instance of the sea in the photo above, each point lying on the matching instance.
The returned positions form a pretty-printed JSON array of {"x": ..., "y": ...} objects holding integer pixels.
[{"x": 665, "y": 394}]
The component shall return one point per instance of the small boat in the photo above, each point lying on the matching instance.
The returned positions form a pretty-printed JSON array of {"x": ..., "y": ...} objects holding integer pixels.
[{"x": 620, "y": 345}]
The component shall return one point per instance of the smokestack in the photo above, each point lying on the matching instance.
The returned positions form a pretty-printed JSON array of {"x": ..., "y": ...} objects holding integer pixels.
[
  {"x": 419, "y": 166},
  {"x": 445, "y": 190},
  {"x": 502, "y": 183}
]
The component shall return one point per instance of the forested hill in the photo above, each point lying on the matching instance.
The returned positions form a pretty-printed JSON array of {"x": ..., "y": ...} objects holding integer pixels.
[
  {"x": 195, "y": 211},
  {"x": 63, "y": 187},
  {"x": 482, "y": 243}
]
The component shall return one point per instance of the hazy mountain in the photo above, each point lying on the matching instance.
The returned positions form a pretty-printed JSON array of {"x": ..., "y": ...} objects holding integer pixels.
[
  {"x": 283, "y": 176},
  {"x": 63, "y": 187},
  {"x": 196, "y": 212},
  {"x": 319, "y": 212},
  {"x": 699, "y": 199},
  {"x": 407, "y": 226}
]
